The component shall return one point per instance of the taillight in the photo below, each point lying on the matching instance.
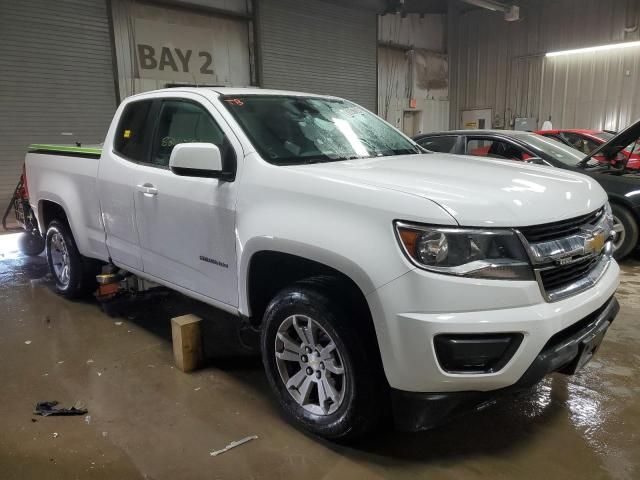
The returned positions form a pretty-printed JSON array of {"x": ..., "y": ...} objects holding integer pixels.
[{"x": 25, "y": 189}]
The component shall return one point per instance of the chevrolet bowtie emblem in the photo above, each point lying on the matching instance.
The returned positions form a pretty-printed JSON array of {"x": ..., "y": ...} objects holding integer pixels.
[{"x": 594, "y": 243}]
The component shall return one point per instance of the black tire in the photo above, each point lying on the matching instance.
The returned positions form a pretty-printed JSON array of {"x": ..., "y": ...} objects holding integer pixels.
[
  {"x": 363, "y": 404},
  {"x": 31, "y": 244},
  {"x": 630, "y": 233},
  {"x": 82, "y": 271}
]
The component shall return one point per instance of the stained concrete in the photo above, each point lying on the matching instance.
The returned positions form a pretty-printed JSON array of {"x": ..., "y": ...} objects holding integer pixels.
[{"x": 148, "y": 420}]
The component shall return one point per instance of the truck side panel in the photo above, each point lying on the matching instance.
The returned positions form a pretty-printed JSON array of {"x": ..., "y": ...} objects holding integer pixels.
[{"x": 71, "y": 183}]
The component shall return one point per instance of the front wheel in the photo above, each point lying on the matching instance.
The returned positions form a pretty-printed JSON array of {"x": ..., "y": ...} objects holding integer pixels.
[
  {"x": 74, "y": 275},
  {"x": 626, "y": 228},
  {"x": 323, "y": 374}
]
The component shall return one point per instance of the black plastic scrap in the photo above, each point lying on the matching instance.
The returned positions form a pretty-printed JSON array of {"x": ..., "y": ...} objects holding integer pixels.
[{"x": 47, "y": 409}]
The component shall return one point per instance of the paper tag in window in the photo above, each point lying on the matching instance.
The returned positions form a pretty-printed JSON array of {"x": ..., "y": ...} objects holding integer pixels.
[{"x": 127, "y": 134}]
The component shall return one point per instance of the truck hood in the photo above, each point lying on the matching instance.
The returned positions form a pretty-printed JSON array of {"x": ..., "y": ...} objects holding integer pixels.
[{"x": 476, "y": 191}]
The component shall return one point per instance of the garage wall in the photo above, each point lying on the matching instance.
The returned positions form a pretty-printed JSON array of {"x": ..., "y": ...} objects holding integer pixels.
[
  {"x": 318, "y": 47},
  {"x": 501, "y": 65},
  {"x": 413, "y": 90},
  {"x": 44, "y": 96}
]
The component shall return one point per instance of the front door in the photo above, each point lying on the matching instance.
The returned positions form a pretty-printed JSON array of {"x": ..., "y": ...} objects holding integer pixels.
[{"x": 187, "y": 224}]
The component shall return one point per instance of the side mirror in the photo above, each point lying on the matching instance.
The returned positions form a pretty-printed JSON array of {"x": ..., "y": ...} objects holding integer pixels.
[
  {"x": 197, "y": 160},
  {"x": 535, "y": 161}
]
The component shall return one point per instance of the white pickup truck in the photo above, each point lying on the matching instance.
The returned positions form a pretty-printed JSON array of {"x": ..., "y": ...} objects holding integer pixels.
[{"x": 383, "y": 278}]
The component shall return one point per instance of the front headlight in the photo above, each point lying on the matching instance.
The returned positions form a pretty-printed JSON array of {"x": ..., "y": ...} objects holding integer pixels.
[{"x": 469, "y": 252}]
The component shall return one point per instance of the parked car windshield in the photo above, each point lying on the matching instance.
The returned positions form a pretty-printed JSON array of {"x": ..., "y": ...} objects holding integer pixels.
[
  {"x": 606, "y": 136},
  {"x": 292, "y": 130},
  {"x": 561, "y": 152}
]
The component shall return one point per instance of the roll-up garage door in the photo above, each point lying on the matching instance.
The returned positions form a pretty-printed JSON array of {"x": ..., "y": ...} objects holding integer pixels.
[
  {"x": 57, "y": 81},
  {"x": 318, "y": 47}
]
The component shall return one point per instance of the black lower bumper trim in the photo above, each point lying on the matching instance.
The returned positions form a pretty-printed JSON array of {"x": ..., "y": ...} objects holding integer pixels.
[{"x": 414, "y": 411}]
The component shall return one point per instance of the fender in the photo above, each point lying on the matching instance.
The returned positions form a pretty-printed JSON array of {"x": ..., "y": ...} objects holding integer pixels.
[{"x": 309, "y": 252}]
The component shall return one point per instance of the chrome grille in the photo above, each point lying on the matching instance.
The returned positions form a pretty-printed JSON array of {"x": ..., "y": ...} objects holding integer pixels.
[
  {"x": 570, "y": 256},
  {"x": 561, "y": 229},
  {"x": 557, "y": 277}
]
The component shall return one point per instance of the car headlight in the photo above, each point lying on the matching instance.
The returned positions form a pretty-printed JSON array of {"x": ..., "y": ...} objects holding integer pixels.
[{"x": 469, "y": 252}]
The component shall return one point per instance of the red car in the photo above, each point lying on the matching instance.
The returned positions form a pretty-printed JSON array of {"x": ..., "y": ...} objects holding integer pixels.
[{"x": 588, "y": 140}]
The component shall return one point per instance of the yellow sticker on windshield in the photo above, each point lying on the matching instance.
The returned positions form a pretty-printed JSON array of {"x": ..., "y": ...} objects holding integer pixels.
[{"x": 127, "y": 133}]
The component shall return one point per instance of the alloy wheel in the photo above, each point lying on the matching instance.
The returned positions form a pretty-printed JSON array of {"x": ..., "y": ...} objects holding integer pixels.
[
  {"x": 618, "y": 227},
  {"x": 310, "y": 365},
  {"x": 60, "y": 259}
]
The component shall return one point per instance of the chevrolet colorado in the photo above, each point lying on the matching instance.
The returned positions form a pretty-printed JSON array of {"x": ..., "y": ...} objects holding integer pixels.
[{"x": 382, "y": 279}]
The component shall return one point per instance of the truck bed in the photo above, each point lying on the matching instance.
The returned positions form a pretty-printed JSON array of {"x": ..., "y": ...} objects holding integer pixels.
[{"x": 72, "y": 170}]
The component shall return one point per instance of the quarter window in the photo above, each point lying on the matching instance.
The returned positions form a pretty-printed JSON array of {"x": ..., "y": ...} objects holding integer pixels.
[
  {"x": 130, "y": 138},
  {"x": 185, "y": 122}
]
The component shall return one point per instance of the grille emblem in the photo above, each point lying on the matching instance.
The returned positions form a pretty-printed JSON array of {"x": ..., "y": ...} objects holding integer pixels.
[{"x": 594, "y": 243}]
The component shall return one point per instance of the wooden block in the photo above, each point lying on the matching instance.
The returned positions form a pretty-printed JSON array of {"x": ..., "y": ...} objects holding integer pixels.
[{"x": 187, "y": 342}]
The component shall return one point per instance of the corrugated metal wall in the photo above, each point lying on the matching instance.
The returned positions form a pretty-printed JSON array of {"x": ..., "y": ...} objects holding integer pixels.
[
  {"x": 319, "y": 47},
  {"x": 501, "y": 65},
  {"x": 57, "y": 78}
]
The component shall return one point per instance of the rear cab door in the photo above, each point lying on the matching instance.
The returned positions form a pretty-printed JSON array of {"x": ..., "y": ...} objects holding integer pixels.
[{"x": 126, "y": 147}]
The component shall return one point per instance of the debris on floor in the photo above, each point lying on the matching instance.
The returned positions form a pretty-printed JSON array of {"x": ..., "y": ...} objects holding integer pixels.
[
  {"x": 235, "y": 444},
  {"x": 47, "y": 409},
  {"x": 27, "y": 342}
]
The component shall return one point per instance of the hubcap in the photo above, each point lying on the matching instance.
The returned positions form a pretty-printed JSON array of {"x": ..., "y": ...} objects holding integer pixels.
[
  {"x": 310, "y": 365},
  {"x": 618, "y": 227},
  {"x": 60, "y": 259}
]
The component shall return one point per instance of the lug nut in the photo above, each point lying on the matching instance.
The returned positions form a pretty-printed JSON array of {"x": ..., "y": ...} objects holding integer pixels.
[
  {"x": 309, "y": 370},
  {"x": 304, "y": 358},
  {"x": 307, "y": 349},
  {"x": 318, "y": 374},
  {"x": 322, "y": 365}
]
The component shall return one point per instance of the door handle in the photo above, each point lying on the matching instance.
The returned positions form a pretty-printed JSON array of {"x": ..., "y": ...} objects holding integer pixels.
[{"x": 147, "y": 189}]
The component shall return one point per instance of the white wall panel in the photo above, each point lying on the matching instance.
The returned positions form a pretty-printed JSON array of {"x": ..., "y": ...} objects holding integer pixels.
[
  {"x": 501, "y": 65},
  {"x": 158, "y": 45}
]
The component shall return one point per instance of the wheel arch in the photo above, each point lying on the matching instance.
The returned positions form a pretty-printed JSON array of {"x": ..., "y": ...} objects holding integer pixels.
[
  {"x": 267, "y": 266},
  {"x": 622, "y": 201}
]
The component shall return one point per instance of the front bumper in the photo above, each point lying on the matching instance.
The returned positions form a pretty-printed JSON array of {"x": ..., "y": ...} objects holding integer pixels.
[
  {"x": 564, "y": 352},
  {"x": 409, "y": 312}
]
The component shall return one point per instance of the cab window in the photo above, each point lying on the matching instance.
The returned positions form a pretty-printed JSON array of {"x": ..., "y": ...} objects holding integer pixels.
[
  {"x": 182, "y": 121},
  {"x": 130, "y": 139}
]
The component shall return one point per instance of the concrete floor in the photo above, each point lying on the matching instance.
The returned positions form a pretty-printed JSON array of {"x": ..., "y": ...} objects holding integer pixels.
[{"x": 148, "y": 420}]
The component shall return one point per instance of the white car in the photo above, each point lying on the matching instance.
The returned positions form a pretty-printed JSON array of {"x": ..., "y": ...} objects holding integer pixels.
[{"x": 380, "y": 276}]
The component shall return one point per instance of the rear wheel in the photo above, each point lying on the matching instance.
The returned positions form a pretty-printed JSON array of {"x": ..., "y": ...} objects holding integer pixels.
[
  {"x": 325, "y": 377},
  {"x": 74, "y": 275},
  {"x": 31, "y": 244},
  {"x": 626, "y": 228}
]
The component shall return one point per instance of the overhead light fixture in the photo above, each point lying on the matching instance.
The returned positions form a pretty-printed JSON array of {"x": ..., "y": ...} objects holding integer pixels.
[{"x": 600, "y": 48}]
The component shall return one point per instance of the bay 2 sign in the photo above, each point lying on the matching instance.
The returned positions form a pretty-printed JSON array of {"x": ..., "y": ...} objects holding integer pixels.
[
  {"x": 174, "y": 59},
  {"x": 177, "y": 52}
]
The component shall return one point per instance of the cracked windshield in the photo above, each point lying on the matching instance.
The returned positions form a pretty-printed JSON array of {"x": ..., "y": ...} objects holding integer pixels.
[{"x": 291, "y": 130}]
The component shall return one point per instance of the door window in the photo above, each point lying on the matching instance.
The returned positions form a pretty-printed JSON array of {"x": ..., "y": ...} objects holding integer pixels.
[
  {"x": 438, "y": 144},
  {"x": 185, "y": 122},
  {"x": 481, "y": 147},
  {"x": 130, "y": 137}
]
